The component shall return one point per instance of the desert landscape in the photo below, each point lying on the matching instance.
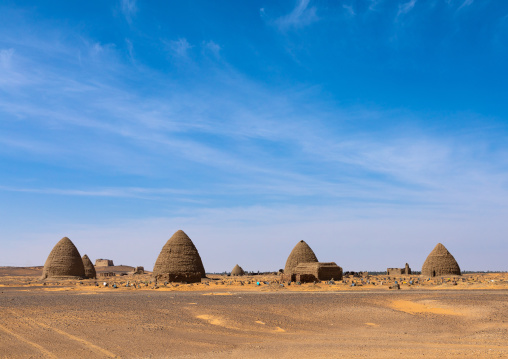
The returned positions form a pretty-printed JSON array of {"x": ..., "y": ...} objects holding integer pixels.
[
  {"x": 130, "y": 316},
  {"x": 253, "y": 179}
]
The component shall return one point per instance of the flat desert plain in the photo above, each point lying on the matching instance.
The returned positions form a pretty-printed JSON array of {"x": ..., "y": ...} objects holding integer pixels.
[{"x": 235, "y": 318}]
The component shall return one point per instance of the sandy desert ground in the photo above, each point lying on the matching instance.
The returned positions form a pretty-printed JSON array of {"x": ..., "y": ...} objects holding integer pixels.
[{"x": 227, "y": 317}]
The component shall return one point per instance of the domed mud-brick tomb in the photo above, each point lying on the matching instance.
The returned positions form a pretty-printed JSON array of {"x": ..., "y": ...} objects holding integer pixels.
[
  {"x": 237, "y": 270},
  {"x": 89, "y": 268},
  {"x": 440, "y": 262},
  {"x": 302, "y": 253},
  {"x": 179, "y": 261},
  {"x": 64, "y": 262}
]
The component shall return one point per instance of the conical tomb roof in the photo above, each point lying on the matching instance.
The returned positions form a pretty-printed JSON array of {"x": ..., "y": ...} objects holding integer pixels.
[
  {"x": 440, "y": 262},
  {"x": 179, "y": 260},
  {"x": 64, "y": 261},
  {"x": 201, "y": 268},
  {"x": 302, "y": 253},
  {"x": 237, "y": 270},
  {"x": 89, "y": 268}
]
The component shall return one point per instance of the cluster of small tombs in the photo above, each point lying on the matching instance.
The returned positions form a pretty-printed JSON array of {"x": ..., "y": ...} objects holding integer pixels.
[{"x": 179, "y": 261}]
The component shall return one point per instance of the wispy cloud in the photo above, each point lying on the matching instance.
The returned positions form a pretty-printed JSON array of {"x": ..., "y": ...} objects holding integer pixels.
[
  {"x": 130, "y": 49},
  {"x": 466, "y": 3},
  {"x": 212, "y": 47},
  {"x": 5, "y": 58},
  {"x": 129, "y": 9},
  {"x": 179, "y": 48},
  {"x": 406, "y": 7},
  {"x": 27, "y": 145},
  {"x": 302, "y": 15},
  {"x": 129, "y": 192},
  {"x": 373, "y": 5},
  {"x": 349, "y": 9},
  {"x": 229, "y": 124},
  {"x": 10, "y": 74}
]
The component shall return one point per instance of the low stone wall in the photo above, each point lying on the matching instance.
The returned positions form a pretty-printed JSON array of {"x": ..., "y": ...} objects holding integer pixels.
[
  {"x": 399, "y": 271},
  {"x": 395, "y": 271},
  {"x": 104, "y": 263},
  {"x": 179, "y": 277},
  {"x": 106, "y": 274},
  {"x": 317, "y": 271}
]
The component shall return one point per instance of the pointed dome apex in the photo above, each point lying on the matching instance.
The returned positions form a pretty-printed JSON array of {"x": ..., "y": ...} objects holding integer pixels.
[
  {"x": 180, "y": 233},
  {"x": 237, "y": 270},
  {"x": 64, "y": 262},
  {"x": 440, "y": 262},
  {"x": 179, "y": 260},
  {"x": 439, "y": 248},
  {"x": 89, "y": 268},
  {"x": 302, "y": 253}
]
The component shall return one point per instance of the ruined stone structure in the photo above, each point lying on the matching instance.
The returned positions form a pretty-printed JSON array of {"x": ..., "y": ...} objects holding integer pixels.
[
  {"x": 107, "y": 274},
  {"x": 316, "y": 271},
  {"x": 89, "y": 268},
  {"x": 64, "y": 262},
  {"x": 301, "y": 253},
  {"x": 179, "y": 261},
  {"x": 399, "y": 271},
  {"x": 237, "y": 270},
  {"x": 139, "y": 270},
  {"x": 104, "y": 263},
  {"x": 439, "y": 263}
]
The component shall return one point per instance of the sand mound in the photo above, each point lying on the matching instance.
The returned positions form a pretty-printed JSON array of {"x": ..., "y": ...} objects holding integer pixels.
[
  {"x": 302, "y": 253},
  {"x": 64, "y": 262},
  {"x": 237, "y": 270},
  {"x": 420, "y": 308},
  {"x": 440, "y": 262},
  {"x": 179, "y": 260},
  {"x": 89, "y": 268}
]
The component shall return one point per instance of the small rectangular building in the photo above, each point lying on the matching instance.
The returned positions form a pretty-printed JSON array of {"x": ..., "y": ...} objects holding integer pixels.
[
  {"x": 104, "y": 262},
  {"x": 106, "y": 274},
  {"x": 139, "y": 270},
  {"x": 399, "y": 271},
  {"x": 316, "y": 271}
]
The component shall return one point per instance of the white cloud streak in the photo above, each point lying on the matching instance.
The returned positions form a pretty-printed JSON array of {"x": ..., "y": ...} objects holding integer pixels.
[
  {"x": 349, "y": 9},
  {"x": 129, "y": 9},
  {"x": 166, "y": 125},
  {"x": 5, "y": 58},
  {"x": 132, "y": 192},
  {"x": 466, "y": 3},
  {"x": 406, "y": 7},
  {"x": 212, "y": 48},
  {"x": 10, "y": 76},
  {"x": 179, "y": 48},
  {"x": 302, "y": 15},
  {"x": 373, "y": 5}
]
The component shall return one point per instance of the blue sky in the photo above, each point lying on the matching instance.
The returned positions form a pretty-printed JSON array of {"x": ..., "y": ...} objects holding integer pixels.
[{"x": 371, "y": 129}]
